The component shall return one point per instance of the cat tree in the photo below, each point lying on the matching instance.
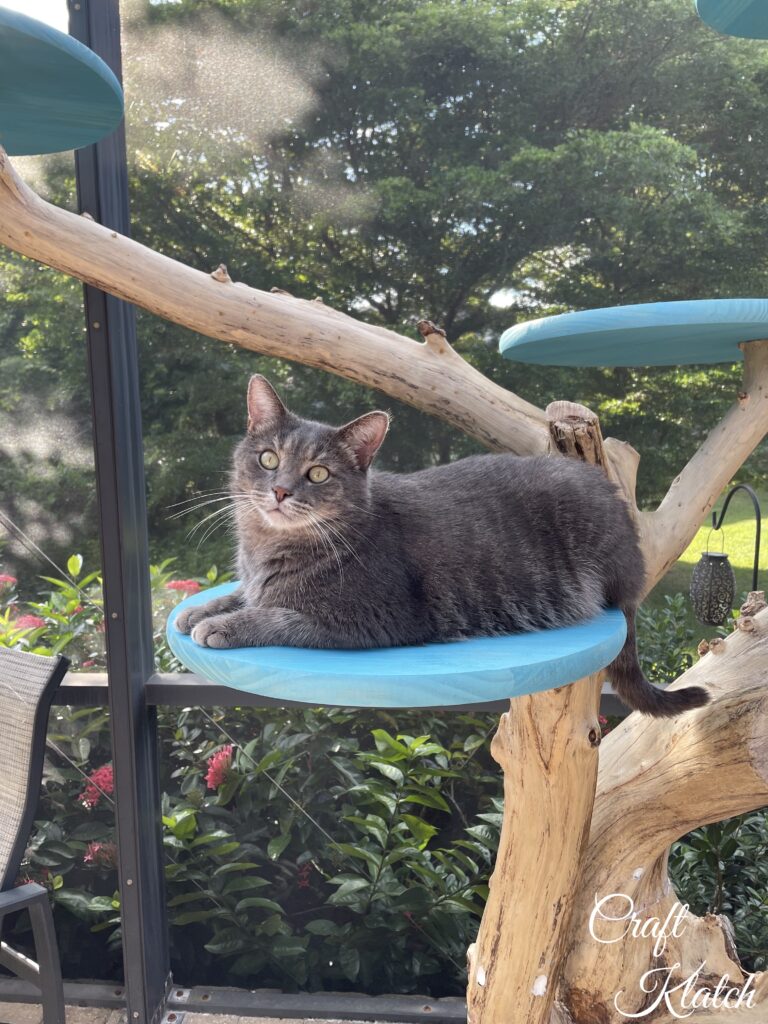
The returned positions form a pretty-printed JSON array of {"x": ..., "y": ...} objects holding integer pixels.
[{"x": 575, "y": 825}]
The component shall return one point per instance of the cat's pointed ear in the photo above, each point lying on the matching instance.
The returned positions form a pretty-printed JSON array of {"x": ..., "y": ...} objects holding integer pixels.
[
  {"x": 363, "y": 436},
  {"x": 264, "y": 405}
]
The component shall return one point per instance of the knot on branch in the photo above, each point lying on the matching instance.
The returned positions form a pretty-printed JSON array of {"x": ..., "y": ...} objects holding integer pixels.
[
  {"x": 717, "y": 645},
  {"x": 754, "y": 603},
  {"x": 280, "y": 291},
  {"x": 574, "y": 430},
  {"x": 220, "y": 274},
  {"x": 87, "y": 216},
  {"x": 703, "y": 648},
  {"x": 435, "y": 337},
  {"x": 746, "y": 624}
]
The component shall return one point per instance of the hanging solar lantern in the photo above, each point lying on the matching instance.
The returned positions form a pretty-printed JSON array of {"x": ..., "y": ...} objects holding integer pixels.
[
  {"x": 713, "y": 584},
  {"x": 713, "y": 587}
]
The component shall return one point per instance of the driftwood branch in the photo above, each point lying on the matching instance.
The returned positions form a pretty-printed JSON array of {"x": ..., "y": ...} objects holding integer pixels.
[
  {"x": 430, "y": 376},
  {"x": 668, "y": 531},
  {"x": 656, "y": 782},
  {"x": 546, "y": 746},
  {"x": 575, "y": 431}
]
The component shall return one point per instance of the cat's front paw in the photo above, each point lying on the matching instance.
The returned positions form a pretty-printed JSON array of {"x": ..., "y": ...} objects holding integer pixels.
[
  {"x": 218, "y": 631},
  {"x": 188, "y": 619}
]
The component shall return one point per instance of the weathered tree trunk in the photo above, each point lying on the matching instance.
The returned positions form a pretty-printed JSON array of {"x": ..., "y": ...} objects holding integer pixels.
[
  {"x": 547, "y": 747},
  {"x": 657, "y": 779}
]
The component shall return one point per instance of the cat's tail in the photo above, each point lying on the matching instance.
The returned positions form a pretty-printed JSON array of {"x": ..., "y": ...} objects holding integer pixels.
[{"x": 637, "y": 692}]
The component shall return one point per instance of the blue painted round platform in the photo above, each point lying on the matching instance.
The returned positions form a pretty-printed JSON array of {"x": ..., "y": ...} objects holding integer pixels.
[
  {"x": 435, "y": 675},
  {"x": 651, "y": 334},
  {"x": 55, "y": 93},
  {"x": 746, "y": 18}
]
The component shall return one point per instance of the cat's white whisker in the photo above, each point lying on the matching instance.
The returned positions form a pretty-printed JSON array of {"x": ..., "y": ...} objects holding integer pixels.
[
  {"x": 327, "y": 539},
  {"x": 227, "y": 510},
  {"x": 224, "y": 521},
  {"x": 202, "y": 504}
]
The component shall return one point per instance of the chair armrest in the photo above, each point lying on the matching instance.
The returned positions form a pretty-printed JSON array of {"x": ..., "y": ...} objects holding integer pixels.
[{"x": 21, "y": 896}]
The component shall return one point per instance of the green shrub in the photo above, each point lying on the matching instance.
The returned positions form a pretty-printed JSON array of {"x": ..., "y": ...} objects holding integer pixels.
[
  {"x": 665, "y": 639},
  {"x": 723, "y": 869}
]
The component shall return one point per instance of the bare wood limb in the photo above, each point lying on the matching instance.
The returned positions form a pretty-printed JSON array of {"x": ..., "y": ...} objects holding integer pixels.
[
  {"x": 547, "y": 747},
  {"x": 668, "y": 531},
  {"x": 574, "y": 430},
  {"x": 704, "y": 766},
  {"x": 421, "y": 374}
]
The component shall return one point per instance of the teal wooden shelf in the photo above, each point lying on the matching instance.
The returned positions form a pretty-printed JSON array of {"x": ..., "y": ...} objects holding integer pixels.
[
  {"x": 475, "y": 671},
  {"x": 55, "y": 93},
  {"x": 746, "y": 18},
  {"x": 651, "y": 334}
]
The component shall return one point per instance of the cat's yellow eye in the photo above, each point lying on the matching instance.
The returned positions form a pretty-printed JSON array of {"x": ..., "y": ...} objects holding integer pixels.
[
  {"x": 318, "y": 474},
  {"x": 269, "y": 459}
]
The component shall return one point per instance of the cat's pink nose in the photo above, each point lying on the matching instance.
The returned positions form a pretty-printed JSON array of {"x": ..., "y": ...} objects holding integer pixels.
[{"x": 281, "y": 494}]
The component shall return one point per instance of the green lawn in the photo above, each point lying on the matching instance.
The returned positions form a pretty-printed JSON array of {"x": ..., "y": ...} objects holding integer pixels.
[{"x": 739, "y": 543}]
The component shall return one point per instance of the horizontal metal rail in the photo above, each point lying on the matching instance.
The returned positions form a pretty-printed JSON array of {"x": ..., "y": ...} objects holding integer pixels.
[
  {"x": 184, "y": 689},
  {"x": 397, "y": 1009}
]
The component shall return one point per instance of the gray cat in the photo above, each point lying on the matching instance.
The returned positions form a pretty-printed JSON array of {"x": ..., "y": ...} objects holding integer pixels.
[{"x": 334, "y": 554}]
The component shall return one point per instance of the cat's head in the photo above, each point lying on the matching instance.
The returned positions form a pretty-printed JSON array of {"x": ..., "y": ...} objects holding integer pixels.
[{"x": 290, "y": 473}]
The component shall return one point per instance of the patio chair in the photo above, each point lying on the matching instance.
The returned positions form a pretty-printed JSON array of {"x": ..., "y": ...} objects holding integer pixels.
[{"x": 27, "y": 685}]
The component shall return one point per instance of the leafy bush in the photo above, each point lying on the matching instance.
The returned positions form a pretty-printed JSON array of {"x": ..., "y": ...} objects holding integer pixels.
[
  {"x": 723, "y": 869},
  {"x": 665, "y": 639},
  {"x": 312, "y": 851}
]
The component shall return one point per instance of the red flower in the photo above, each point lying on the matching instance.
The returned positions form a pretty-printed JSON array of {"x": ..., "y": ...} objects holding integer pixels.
[
  {"x": 218, "y": 767},
  {"x": 103, "y": 855},
  {"x": 5, "y": 578},
  {"x": 78, "y": 609},
  {"x": 99, "y": 782},
  {"x": 186, "y": 586},
  {"x": 28, "y": 622},
  {"x": 88, "y": 664}
]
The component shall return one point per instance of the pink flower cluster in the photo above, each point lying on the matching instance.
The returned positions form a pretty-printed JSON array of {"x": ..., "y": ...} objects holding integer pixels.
[
  {"x": 185, "y": 586},
  {"x": 6, "y": 579},
  {"x": 28, "y": 622},
  {"x": 99, "y": 782},
  {"x": 218, "y": 767},
  {"x": 102, "y": 855}
]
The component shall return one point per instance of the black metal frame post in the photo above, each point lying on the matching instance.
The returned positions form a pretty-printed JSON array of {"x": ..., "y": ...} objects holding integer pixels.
[{"x": 102, "y": 183}]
